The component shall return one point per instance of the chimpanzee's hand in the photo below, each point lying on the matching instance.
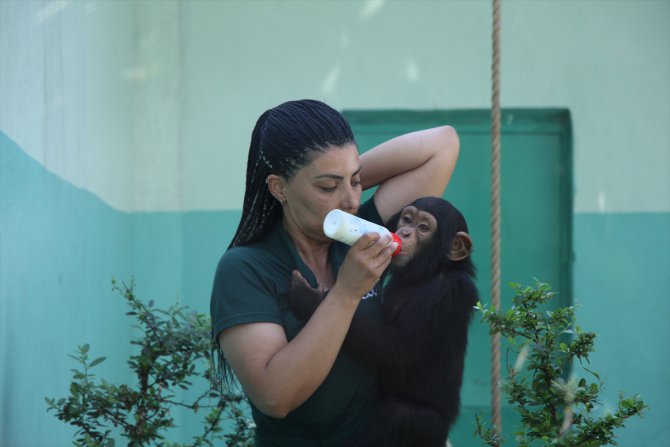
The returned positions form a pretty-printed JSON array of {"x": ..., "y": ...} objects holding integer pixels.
[{"x": 302, "y": 298}]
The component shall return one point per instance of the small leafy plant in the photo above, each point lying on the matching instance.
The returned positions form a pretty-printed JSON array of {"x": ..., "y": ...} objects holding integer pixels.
[
  {"x": 173, "y": 350},
  {"x": 556, "y": 407}
]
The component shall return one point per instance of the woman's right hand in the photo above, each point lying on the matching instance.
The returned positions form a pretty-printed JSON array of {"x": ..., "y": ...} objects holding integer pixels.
[{"x": 364, "y": 265}]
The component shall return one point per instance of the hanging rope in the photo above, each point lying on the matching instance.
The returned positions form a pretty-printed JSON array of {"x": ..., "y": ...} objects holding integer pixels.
[{"x": 495, "y": 214}]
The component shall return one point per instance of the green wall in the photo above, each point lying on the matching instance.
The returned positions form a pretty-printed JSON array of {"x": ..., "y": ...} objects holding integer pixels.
[
  {"x": 621, "y": 283},
  {"x": 59, "y": 248}
]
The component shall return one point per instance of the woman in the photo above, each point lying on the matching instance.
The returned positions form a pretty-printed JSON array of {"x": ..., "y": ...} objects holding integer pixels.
[{"x": 303, "y": 162}]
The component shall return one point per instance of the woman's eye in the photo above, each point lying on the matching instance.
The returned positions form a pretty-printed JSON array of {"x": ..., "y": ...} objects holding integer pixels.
[{"x": 328, "y": 188}]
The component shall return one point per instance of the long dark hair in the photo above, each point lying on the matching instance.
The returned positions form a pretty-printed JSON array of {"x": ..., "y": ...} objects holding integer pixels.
[{"x": 281, "y": 143}]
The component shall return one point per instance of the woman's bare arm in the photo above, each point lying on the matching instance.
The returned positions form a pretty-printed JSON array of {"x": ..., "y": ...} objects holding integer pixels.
[
  {"x": 279, "y": 375},
  {"x": 410, "y": 166}
]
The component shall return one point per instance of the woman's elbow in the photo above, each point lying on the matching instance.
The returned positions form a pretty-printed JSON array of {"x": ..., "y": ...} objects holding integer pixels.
[
  {"x": 449, "y": 141},
  {"x": 273, "y": 409},
  {"x": 270, "y": 404},
  {"x": 445, "y": 146}
]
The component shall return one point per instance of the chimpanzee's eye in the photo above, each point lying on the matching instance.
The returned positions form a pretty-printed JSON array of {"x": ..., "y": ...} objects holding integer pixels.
[
  {"x": 424, "y": 227},
  {"x": 406, "y": 219}
]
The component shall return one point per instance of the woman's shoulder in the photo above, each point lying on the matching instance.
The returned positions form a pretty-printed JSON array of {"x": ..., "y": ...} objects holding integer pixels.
[
  {"x": 241, "y": 253},
  {"x": 266, "y": 257},
  {"x": 245, "y": 256}
]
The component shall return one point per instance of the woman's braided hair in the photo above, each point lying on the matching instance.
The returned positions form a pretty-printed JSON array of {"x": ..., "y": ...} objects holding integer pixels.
[{"x": 282, "y": 141}]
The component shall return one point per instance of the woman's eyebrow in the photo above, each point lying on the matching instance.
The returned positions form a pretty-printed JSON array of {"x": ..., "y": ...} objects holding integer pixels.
[{"x": 337, "y": 177}]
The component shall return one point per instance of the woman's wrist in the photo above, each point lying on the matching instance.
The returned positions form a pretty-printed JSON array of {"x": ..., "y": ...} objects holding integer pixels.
[{"x": 346, "y": 298}]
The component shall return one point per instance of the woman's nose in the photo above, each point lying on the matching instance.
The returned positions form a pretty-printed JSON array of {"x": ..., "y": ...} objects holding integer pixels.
[{"x": 351, "y": 199}]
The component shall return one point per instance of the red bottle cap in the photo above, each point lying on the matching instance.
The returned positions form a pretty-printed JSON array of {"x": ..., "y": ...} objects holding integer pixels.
[{"x": 397, "y": 240}]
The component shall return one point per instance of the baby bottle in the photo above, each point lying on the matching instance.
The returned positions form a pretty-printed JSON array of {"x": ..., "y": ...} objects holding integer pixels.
[{"x": 347, "y": 228}]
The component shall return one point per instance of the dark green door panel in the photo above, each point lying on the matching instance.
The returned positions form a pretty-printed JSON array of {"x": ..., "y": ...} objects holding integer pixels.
[{"x": 536, "y": 201}]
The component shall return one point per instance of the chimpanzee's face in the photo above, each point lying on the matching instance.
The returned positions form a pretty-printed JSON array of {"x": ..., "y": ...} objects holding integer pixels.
[{"x": 416, "y": 229}]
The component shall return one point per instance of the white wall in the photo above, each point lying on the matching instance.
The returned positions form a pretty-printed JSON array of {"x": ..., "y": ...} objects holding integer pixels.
[
  {"x": 608, "y": 62},
  {"x": 66, "y": 90}
]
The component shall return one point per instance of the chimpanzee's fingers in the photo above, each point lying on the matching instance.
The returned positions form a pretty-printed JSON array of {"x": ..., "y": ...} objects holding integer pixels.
[{"x": 298, "y": 280}]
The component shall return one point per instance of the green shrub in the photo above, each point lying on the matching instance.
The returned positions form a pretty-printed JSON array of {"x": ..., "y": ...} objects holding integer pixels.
[
  {"x": 556, "y": 407},
  {"x": 173, "y": 351}
]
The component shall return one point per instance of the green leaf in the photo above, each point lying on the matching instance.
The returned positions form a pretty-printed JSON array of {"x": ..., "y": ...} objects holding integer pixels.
[
  {"x": 97, "y": 361},
  {"x": 597, "y": 376}
]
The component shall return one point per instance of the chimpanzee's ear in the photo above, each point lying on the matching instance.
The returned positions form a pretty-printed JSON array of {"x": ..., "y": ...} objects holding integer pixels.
[{"x": 460, "y": 247}]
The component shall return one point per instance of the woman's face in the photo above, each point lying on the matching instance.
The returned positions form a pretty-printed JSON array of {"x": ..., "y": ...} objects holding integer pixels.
[{"x": 331, "y": 180}]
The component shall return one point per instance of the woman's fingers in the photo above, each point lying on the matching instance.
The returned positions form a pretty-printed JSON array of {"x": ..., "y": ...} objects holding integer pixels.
[
  {"x": 375, "y": 242},
  {"x": 366, "y": 262}
]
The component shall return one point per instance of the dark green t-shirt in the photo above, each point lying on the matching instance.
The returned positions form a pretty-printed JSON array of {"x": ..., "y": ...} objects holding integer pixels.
[{"x": 249, "y": 287}]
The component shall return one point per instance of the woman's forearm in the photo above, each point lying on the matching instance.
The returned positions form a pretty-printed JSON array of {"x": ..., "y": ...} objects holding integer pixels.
[
  {"x": 277, "y": 375},
  {"x": 410, "y": 166},
  {"x": 406, "y": 153},
  {"x": 297, "y": 370}
]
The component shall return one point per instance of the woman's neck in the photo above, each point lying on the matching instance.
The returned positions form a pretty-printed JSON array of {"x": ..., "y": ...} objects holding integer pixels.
[{"x": 314, "y": 254}]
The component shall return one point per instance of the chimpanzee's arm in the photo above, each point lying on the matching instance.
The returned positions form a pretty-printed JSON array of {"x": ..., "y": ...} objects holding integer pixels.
[
  {"x": 407, "y": 334},
  {"x": 378, "y": 344},
  {"x": 431, "y": 318},
  {"x": 371, "y": 340},
  {"x": 302, "y": 299}
]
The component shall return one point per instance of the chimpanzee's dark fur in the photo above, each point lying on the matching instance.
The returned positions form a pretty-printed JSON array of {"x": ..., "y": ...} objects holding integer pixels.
[{"x": 419, "y": 346}]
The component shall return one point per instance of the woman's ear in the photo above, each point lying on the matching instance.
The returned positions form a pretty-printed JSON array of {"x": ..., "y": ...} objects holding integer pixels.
[
  {"x": 460, "y": 246},
  {"x": 276, "y": 185}
]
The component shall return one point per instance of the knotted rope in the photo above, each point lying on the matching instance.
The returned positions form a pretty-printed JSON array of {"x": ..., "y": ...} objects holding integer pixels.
[{"x": 495, "y": 214}]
